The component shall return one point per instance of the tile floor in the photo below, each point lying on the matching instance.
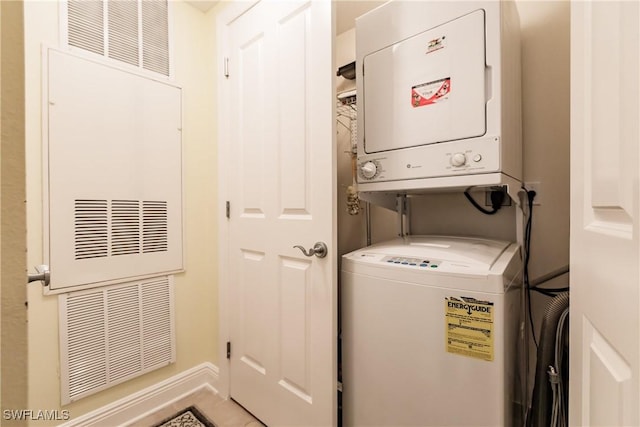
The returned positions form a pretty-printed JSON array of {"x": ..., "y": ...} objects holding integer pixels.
[{"x": 223, "y": 413}]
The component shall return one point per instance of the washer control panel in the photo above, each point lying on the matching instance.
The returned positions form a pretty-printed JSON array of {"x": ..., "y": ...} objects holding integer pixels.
[{"x": 411, "y": 262}]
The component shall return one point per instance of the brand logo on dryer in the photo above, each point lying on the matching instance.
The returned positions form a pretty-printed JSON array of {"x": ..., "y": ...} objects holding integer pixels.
[{"x": 435, "y": 44}]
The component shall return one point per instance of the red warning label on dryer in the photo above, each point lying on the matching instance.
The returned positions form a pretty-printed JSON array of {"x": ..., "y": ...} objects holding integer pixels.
[{"x": 431, "y": 92}]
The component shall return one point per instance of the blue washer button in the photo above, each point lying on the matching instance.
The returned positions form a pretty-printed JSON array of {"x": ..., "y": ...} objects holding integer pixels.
[{"x": 423, "y": 265}]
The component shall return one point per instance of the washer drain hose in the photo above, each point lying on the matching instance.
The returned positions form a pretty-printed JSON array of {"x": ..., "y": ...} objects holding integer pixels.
[{"x": 542, "y": 399}]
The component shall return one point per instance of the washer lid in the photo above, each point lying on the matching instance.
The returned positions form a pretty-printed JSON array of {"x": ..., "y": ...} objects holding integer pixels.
[{"x": 472, "y": 252}]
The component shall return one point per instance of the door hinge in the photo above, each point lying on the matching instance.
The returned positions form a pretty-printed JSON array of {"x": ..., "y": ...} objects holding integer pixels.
[
  {"x": 228, "y": 349},
  {"x": 228, "y": 209},
  {"x": 226, "y": 67}
]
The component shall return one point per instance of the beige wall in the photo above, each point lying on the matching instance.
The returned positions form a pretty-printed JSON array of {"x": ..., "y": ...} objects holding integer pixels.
[
  {"x": 13, "y": 313},
  {"x": 546, "y": 112},
  {"x": 196, "y": 289}
]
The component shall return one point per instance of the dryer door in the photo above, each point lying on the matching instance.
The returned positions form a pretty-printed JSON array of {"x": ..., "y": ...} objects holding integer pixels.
[{"x": 427, "y": 89}]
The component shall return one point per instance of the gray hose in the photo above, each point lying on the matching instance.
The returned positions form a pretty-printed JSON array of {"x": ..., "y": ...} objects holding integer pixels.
[
  {"x": 556, "y": 375},
  {"x": 542, "y": 404}
]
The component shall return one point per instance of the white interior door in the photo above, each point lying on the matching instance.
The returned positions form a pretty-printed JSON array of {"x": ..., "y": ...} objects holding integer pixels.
[
  {"x": 281, "y": 169},
  {"x": 605, "y": 278}
]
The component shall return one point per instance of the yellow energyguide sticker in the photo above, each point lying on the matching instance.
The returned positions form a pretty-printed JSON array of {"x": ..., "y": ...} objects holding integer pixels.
[{"x": 469, "y": 327}]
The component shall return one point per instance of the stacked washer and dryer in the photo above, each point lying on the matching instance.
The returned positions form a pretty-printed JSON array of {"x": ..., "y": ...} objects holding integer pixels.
[{"x": 430, "y": 324}]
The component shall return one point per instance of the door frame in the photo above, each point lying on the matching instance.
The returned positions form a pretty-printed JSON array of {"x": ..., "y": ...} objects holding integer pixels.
[{"x": 226, "y": 17}]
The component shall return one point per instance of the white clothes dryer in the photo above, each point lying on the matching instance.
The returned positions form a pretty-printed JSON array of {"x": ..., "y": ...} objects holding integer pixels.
[
  {"x": 439, "y": 99},
  {"x": 429, "y": 332}
]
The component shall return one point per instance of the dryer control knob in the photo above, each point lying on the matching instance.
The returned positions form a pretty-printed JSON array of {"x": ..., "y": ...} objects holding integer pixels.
[
  {"x": 458, "y": 159},
  {"x": 369, "y": 170}
]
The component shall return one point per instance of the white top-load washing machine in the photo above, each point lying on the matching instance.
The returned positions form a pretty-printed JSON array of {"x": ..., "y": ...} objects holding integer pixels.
[{"x": 429, "y": 332}]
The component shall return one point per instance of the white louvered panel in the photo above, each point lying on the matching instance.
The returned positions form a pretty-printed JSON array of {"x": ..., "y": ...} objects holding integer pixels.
[
  {"x": 123, "y": 332},
  {"x": 86, "y": 25},
  {"x": 125, "y": 227},
  {"x": 136, "y": 31},
  {"x": 112, "y": 334},
  {"x": 123, "y": 20},
  {"x": 154, "y": 227},
  {"x": 86, "y": 346},
  {"x": 155, "y": 36},
  {"x": 157, "y": 330},
  {"x": 91, "y": 229},
  {"x": 127, "y": 155}
]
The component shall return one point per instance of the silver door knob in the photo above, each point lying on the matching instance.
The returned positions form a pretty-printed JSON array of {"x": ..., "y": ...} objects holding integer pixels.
[
  {"x": 319, "y": 250},
  {"x": 43, "y": 275}
]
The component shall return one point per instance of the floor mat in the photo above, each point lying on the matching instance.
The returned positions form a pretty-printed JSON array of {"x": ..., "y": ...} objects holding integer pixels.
[{"x": 189, "y": 417}]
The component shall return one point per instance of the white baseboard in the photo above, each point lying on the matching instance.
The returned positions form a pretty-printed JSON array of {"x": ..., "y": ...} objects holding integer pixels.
[{"x": 127, "y": 410}]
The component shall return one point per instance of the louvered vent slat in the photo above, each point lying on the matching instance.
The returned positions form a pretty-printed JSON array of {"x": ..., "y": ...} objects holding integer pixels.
[
  {"x": 125, "y": 227},
  {"x": 86, "y": 23},
  {"x": 124, "y": 28},
  {"x": 87, "y": 345},
  {"x": 123, "y": 31},
  {"x": 112, "y": 334},
  {"x": 155, "y": 36},
  {"x": 123, "y": 309},
  {"x": 156, "y": 330},
  {"x": 155, "y": 226},
  {"x": 128, "y": 227},
  {"x": 91, "y": 229}
]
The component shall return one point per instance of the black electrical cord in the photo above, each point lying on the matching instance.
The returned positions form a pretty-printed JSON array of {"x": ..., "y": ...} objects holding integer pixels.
[
  {"x": 527, "y": 255},
  {"x": 497, "y": 197},
  {"x": 544, "y": 292},
  {"x": 549, "y": 291}
]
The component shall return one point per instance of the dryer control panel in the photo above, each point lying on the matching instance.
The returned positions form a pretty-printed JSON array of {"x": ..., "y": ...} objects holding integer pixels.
[{"x": 452, "y": 158}]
